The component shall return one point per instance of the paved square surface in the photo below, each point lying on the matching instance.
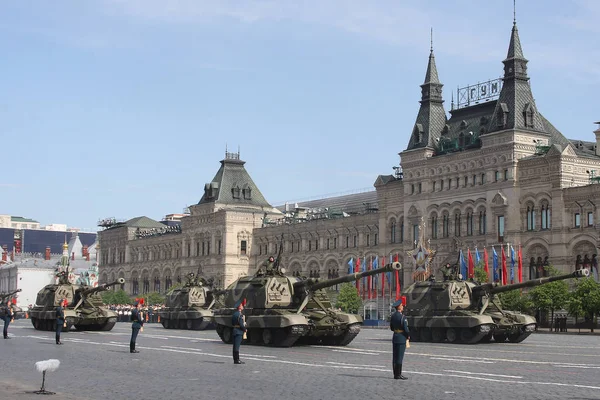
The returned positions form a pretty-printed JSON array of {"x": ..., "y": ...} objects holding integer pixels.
[{"x": 179, "y": 364}]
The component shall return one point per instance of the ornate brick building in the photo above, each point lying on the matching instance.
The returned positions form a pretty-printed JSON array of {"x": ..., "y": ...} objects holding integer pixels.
[{"x": 494, "y": 172}]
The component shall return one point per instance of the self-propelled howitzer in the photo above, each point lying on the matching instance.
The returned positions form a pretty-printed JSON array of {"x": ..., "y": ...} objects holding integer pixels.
[
  {"x": 190, "y": 306},
  {"x": 465, "y": 312},
  {"x": 85, "y": 309},
  {"x": 17, "y": 311},
  {"x": 283, "y": 310}
]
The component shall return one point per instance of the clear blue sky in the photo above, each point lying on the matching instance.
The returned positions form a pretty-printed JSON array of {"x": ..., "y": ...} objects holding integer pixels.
[{"x": 124, "y": 107}]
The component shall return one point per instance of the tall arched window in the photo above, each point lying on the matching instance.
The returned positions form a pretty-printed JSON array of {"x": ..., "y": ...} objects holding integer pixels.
[
  {"x": 545, "y": 216},
  {"x": 530, "y": 218},
  {"x": 457, "y": 224},
  {"x": 445, "y": 227},
  {"x": 393, "y": 231},
  {"x": 482, "y": 222},
  {"x": 470, "y": 223},
  {"x": 434, "y": 227}
]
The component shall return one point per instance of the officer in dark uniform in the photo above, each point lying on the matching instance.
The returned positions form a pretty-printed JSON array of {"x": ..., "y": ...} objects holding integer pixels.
[
  {"x": 60, "y": 318},
  {"x": 399, "y": 326},
  {"x": 137, "y": 319},
  {"x": 8, "y": 317},
  {"x": 239, "y": 329}
]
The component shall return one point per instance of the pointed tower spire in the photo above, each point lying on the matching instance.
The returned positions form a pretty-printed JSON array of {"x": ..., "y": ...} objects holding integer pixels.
[
  {"x": 432, "y": 116},
  {"x": 515, "y": 108}
]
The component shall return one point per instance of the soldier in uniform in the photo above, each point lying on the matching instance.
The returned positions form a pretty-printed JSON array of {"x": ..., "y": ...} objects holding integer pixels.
[
  {"x": 8, "y": 317},
  {"x": 137, "y": 324},
  {"x": 239, "y": 329},
  {"x": 60, "y": 319},
  {"x": 399, "y": 326}
]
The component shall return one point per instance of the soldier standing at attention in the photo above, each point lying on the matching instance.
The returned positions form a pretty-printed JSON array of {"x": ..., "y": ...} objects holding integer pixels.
[
  {"x": 8, "y": 317},
  {"x": 60, "y": 318},
  {"x": 137, "y": 320},
  {"x": 239, "y": 330},
  {"x": 399, "y": 325}
]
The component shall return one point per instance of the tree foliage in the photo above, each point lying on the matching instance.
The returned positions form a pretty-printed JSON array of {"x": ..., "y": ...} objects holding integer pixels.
[
  {"x": 348, "y": 299},
  {"x": 116, "y": 297},
  {"x": 516, "y": 300},
  {"x": 153, "y": 298},
  {"x": 480, "y": 274},
  {"x": 585, "y": 299}
]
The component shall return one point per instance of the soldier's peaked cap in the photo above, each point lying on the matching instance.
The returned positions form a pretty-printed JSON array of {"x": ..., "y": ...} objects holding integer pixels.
[
  {"x": 241, "y": 302},
  {"x": 401, "y": 300}
]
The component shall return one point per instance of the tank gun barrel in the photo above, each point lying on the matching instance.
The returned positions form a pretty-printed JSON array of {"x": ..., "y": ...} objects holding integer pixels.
[
  {"x": 102, "y": 288},
  {"x": 316, "y": 285},
  {"x": 5, "y": 296},
  {"x": 495, "y": 288}
]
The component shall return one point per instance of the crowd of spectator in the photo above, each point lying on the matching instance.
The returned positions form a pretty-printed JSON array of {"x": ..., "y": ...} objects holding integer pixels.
[{"x": 124, "y": 312}]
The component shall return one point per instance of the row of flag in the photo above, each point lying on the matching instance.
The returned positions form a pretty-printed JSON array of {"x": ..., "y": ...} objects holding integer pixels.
[
  {"x": 501, "y": 273},
  {"x": 372, "y": 282}
]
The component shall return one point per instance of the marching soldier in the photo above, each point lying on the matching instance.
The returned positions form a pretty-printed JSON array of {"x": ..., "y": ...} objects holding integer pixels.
[
  {"x": 137, "y": 319},
  {"x": 399, "y": 326},
  {"x": 60, "y": 318},
  {"x": 7, "y": 316},
  {"x": 239, "y": 330}
]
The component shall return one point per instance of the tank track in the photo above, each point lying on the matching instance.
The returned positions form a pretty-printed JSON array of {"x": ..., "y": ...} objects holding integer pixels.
[
  {"x": 273, "y": 337},
  {"x": 198, "y": 324},
  {"x": 328, "y": 340},
  {"x": 49, "y": 325},
  {"x": 450, "y": 335}
]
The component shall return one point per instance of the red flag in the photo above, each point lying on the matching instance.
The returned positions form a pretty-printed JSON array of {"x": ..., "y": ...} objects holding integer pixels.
[
  {"x": 369, "y": 282},
  {"x": 520, "y": 264},
  {"x": 486, "y": 265},
  {"x": 471, "y": 272},
  {"x": 504, "y": 278}
]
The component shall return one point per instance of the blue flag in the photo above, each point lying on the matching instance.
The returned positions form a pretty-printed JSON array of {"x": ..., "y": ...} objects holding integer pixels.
[
  {"x": 463, "y": 265},
  {"x": 512, "y": 264},
  {"x": 351, "y": 266},
  {"x": 495, "y": 264},
  {"x": 375, "y": 263},
  {"x": 477, "y": 257}
]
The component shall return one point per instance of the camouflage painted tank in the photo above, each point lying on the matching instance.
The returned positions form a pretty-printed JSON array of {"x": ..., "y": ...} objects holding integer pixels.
[
  {"x": 281, "y": 310},
  {"x": 457, "y": 311},
  {"x": 85, "y": 310},
  {"x": 189, "y": 307},
  {"x": 17, "y": 311}
]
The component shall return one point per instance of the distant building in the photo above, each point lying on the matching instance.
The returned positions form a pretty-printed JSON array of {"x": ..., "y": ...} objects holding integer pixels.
[
  {"x": 30, "y": 272},
  {"x": 10, "y": 221}
]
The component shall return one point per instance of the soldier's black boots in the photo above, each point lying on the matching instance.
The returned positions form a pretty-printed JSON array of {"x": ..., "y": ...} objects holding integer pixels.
[
  {"x": 396, "y": 374},
  {"x": 400, "y": 376},
  {"x": 236, "y": 358},
  {"x": 132, "y": 348}
]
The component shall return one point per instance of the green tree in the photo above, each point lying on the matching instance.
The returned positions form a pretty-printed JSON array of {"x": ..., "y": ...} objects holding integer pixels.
[
  {"x": 551, "y": 296},
  {"x": 585, "y": 299},
  {"x": 153, "y": 298},
  {"x": 516, "y": 300},
  {"x": 348, "y": 299},
  {"x": 480, "y": 274},
  {"x": 115, "y": 297}
]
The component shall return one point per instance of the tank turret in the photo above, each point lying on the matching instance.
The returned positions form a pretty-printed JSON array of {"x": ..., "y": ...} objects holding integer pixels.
[
  {"x": 465, "y": 312},
  {"x": 283, "y": 310},
  {"x": 189, "y": 306},
  {"x": 85, "y": 309}
]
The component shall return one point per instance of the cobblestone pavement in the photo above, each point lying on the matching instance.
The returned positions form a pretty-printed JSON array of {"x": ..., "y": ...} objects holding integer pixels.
[{"x": 183, "y": 364}]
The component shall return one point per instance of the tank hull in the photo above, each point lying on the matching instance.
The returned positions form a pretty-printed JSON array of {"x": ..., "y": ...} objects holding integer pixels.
[
  {"x": 44, "y": 319},
  {"x": 196, "y": 319},
  {"x": 284, "y": 328}
]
